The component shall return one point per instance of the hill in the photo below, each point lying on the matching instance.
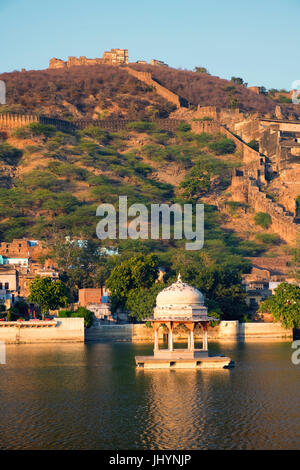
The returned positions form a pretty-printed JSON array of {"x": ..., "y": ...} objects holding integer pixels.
[
  {"x": 96, "y": 92},
  {"x": 104, "y": 91},
  {"x": 207, "y": 90}
]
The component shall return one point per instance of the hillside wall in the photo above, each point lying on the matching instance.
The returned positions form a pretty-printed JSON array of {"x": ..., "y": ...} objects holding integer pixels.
[
  {"x": 245, "y": 189},
  {"x": 146, "y": 77},
  {"x": 13, "y": 121}
]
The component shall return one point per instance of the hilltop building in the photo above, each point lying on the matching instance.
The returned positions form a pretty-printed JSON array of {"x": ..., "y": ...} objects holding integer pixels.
[{"x": 112, "y": 57}]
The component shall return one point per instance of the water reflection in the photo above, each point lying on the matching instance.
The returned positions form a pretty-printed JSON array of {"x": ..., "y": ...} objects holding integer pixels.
[{"x": 69, "y": 396}]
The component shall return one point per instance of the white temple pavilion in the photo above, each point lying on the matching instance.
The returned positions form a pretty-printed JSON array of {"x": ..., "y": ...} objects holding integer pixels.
[{"x": 181, "y": 304}]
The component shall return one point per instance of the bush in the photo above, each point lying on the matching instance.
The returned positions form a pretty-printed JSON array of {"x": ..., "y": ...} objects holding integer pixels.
[
  {"x": 254, "y": 145},
  {"x": 263, "y": 219},
  {"x": 35, "y": 129},
  {"x": 184, "y": 127},
  {"x": 141, "y": 126},
  {"x": 83, "y": 312},
  {"x": 267, "y": 238},
  {"x": 223, "y": 146},
  {"x": 9, "y": 154}
]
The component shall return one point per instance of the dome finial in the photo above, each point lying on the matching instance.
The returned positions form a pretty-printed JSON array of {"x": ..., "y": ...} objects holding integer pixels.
[{"x": 179, "y": 277}]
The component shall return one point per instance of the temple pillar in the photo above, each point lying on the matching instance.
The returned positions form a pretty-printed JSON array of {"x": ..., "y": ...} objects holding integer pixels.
[
  {"x": 205, "y": 342},
  {"x": 155, "y": 327},
  {"x": 170, "y": 340},
  {"x": 192, "y": 345}
]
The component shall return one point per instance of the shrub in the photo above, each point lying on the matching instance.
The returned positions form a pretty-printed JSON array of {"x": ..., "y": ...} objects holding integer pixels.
[
  {"x": 267, "y": 238},
  {"x": 9, "y": 154},
  {"x": 35, "y": 129},
  {"x": 83, "y": 312},
  {"x": 223, "y": 146},
  {"x": 254, "y": 145},
  {"x": 184, "y": 127},
  {"x": 141, "y": 126},
  {"x": 263, "y": 219}
]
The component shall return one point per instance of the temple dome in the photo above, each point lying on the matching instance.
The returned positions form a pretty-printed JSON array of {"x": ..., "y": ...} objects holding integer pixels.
[{"x": 179, "y": 293}]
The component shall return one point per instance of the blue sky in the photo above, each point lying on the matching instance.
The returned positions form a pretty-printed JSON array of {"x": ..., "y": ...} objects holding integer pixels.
[{"x": 257, "y": 40}]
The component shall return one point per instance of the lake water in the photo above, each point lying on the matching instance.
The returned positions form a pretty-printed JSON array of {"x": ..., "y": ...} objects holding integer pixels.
[{"x": 91, "y": 396}]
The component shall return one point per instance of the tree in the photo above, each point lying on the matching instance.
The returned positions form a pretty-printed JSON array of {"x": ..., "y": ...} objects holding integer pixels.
[
  {"x": 49, "y": 294},
  {"x": 81, "y": 262},
  {"x": 254, "y": 144},
  {"x": 201, "y": 70},
  {"x": 223, "y": 146},
  {"x": 237, "y": 80},
  {"x": 263, "y": 219},
  {"x": 141, "y": 301},
  {"x": 137, "y": 272},
  {"x": 284, "y": 305}
]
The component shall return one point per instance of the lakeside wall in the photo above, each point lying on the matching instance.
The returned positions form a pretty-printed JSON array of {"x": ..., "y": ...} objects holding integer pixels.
[
  {"x": 60, "y": 330},
  {"x": 226, "y": 330}
]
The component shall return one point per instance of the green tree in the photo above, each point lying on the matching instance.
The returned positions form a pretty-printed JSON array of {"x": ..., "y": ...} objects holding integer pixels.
[
  {"x": 223, "y": 146},
  {"x": 254, "y": 144},
  {"x": 141, "y": 301},
  {"x": 83, "y": 312},
  {"x": 201, "y": 70},
  {"x": 237, "y": 80},
  {"x": 49, "y": 294},
  {"x": 263, "y": 219},
  {"x": 137, "y": 272},
  {"x": 284, "y": 305}
]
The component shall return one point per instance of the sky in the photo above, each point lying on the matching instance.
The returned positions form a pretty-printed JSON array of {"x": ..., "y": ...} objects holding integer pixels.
[{"x": 257, "y": 40}]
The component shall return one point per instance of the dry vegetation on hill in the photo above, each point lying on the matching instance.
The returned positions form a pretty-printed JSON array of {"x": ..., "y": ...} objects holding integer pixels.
[
  {"x": 97, "y": 92},
  {"x": 208, "y": 90}
]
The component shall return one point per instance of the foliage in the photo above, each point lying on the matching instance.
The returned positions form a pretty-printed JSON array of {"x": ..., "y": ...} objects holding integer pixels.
[
  {"x": 137, "y": 272},
  {"x": 141, "y": 126},
  {"x": 223, "y": 146},
  {"x": 267, "y": 238},
  {"x": 284, "y": 305},
  {"x": 49, "y": 294},
  {"x": 9, "y": 154},
  {"x": 140, "y": 302},
  {"x": 81, "y": 263},
  {"x": 35, "y": 129},
  {"x": 263, "y": 219},
  {"x": 254, "y": 144},
  {"x": 184, "y": 127},
  {"x": 237, "y": 80},
  {"x": 201, "y": 70},
  {"x": 81, "y": 312}
]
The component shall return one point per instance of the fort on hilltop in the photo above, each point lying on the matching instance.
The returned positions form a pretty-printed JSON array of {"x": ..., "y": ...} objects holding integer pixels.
[{"x": 112, "y": 57}]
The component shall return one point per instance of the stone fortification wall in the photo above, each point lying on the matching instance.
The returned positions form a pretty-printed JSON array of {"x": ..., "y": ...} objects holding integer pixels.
[
  {"x": 245, "y": 189},
  {"x": 146, "y": 77},
  {"x": 13, "y": 121}
]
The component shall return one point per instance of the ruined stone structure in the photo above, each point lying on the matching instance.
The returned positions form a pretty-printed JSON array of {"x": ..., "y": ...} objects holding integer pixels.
[
  {"x": 245, "y": 188},
  {"x": 146, "y": 77},
  {"x": 13, "y": 121},
  {"x": 112, "y": 57},
  {"x": 279, "y": 145}
]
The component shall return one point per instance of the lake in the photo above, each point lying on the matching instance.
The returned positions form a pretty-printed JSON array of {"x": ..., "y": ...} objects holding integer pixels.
[{"x": 91, "y": 396}]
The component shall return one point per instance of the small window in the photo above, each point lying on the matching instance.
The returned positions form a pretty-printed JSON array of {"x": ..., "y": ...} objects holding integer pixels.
[{"x": 6, "y": 285}]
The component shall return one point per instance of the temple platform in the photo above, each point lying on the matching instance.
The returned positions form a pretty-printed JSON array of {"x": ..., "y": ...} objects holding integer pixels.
[{"x": 182, "y": 361}]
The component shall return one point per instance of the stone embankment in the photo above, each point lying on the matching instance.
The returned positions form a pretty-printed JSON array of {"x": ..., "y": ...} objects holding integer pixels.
[
  {"x": 67, "y": 330},
  {"x": 226, "y": 330}
]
